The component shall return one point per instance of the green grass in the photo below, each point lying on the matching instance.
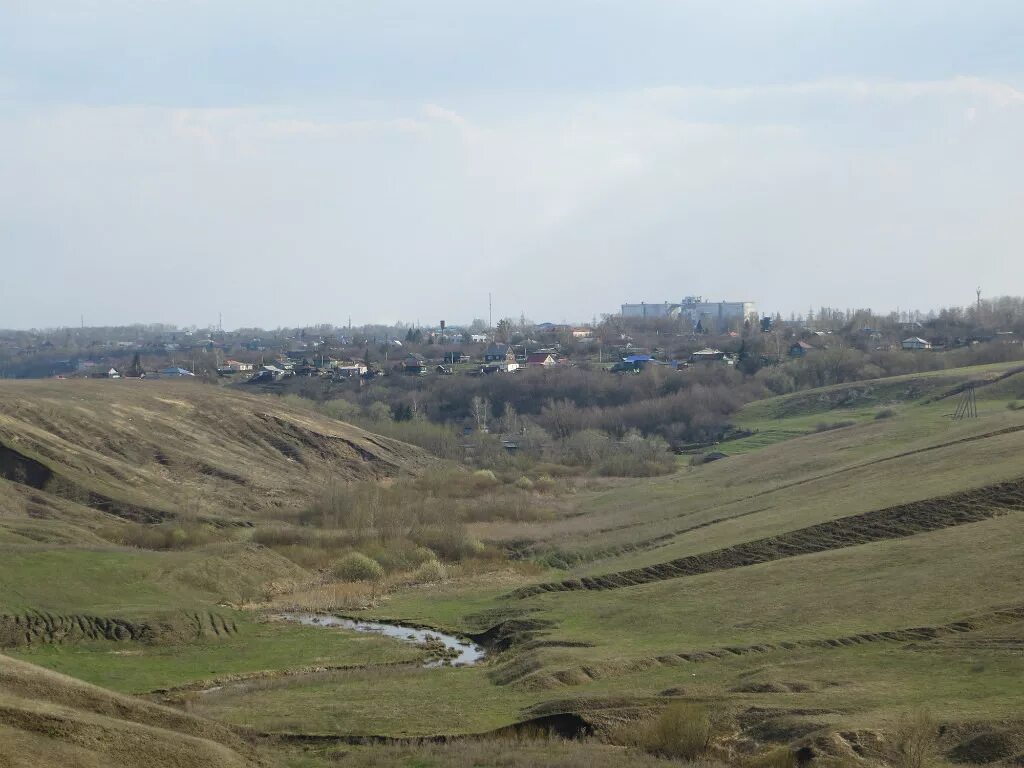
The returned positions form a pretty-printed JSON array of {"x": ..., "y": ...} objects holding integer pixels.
[
  {"x": 139, "y": 668},
  {"x": 124, "y": 582},
  {"x": 607, "y": 643},
  {"x": 877, "y": 393},
  {"x": 854, "y": 687},
  {"x": 106, "y": 581},
  {"x": 785, "y": 417},
  {"x": 401, "y": 702},
  {"x": 926, "y": 579},
  {"x": 874, "y": 587},
  {"x": 798, "y": 483}
]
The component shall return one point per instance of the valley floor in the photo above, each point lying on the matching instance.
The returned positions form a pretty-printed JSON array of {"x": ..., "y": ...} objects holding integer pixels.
[{"x": 813, "y": 587}]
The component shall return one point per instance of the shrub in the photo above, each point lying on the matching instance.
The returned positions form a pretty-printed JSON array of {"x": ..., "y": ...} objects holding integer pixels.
[
  {"x": 916, "y": 740},
  {"x": 1013, "y": 405},
  {"x": 438, "y": 439},
  {"x": 545, "y": 484},
  {"x": 307, "y": 556},
  {"x": 484, "y": 478},
  {"x": 586, "y": 448},
  {"x": 449, "y": 542},
  {"x": 356, "y": 566},
  {"x": 276, "y": 536},
  {"x": 162, "y": 536},
  {"x": 885, "y": 413},
  {"x": 524, "y": 484},
  {"x": 431, "y": 570},
  {"x": 777, "y": 380},
  {"x": 400, "y": 555},
  {"x": 423, "y": 555},
  {"x": 393, "y": 556},
  {"x": 378, "y": 412},
  {"x": 681, "y": 731},
  {"x": 631, "y": 466},
  {"x": 550, "y": 470},
  {"x": 342, "y": 410},
  {"x": 348, "y": 596}
]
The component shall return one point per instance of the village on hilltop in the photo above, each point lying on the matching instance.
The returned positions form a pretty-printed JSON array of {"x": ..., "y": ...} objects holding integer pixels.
[{"x": 674, "y": 335}]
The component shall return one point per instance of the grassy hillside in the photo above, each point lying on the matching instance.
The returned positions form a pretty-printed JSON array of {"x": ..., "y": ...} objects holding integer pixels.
[
  {"x": 77, "y": 453},
  {"x": 50, "y": 719},
  {"x": 83, "y": 461},
  {"x": 810, "y": 589},
  {"x": 836, "y": 579}
]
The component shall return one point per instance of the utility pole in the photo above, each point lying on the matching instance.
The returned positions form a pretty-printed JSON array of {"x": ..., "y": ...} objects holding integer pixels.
[{"x": 978, "y": 291}]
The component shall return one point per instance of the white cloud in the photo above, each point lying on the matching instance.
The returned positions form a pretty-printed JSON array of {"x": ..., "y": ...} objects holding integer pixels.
[{"x": 562, "y": 210}]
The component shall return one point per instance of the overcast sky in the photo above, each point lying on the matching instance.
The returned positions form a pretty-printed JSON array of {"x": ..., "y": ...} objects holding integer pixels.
[{"x": 291, "y": 163}]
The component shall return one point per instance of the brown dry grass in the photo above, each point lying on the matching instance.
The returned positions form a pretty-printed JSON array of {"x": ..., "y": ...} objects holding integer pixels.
[
  {"x": 334, "y": 596},
  {"x": 916, "y": 740},
  {"x": 155, "y": 449},
  {"x": 50, "y": 719},
  {"x": 681, "y": 731}
]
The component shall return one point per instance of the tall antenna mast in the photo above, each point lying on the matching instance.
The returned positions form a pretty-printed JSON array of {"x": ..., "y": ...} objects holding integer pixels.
[
  {"x": 978, "y": 291},
  {"x": 490, "y": 313}
]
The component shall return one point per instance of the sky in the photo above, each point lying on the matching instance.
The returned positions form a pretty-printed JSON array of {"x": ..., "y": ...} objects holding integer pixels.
[{"x": 286, "y": 164}]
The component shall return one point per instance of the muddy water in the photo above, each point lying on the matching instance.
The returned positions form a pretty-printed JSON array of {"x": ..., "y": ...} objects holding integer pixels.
[{"x": 468, "y": 653}]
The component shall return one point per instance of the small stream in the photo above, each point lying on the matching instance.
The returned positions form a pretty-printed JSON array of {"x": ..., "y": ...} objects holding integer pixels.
[{"x": 463, "y": 652}]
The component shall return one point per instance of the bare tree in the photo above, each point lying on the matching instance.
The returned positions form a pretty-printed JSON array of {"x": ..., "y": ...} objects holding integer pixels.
[{"x": 480, "y": 409}]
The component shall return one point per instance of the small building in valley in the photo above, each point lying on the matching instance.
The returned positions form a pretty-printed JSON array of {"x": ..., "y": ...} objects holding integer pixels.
[
  {"x": 707, "y": 355},
  {"x": 800, "y": 349},
  {"x": 414, "y": 365},
  {"x": 496, "y": 353},
  {"x": 540, "y": 360},
  {"x": 915, "y": 342}
]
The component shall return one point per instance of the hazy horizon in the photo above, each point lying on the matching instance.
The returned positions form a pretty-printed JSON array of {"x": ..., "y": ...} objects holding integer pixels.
[
  {"x": 401, "y": 160},
  {"x": 905, "y": 313}
]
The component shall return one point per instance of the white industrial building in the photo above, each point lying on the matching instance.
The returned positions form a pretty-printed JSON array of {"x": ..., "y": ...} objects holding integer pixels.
[
  {"x": 645, "y": 310},
  {"x": 712, "y": 315},
  {"x": 721, "y": 314}
]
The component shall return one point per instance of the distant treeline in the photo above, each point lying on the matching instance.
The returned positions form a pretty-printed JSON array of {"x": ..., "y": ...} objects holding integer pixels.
[
  {"x": 547, "y": 409},
  {"x": 680, "y": 407}
]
